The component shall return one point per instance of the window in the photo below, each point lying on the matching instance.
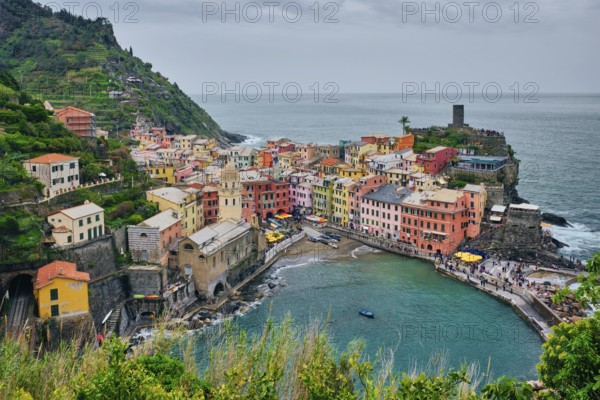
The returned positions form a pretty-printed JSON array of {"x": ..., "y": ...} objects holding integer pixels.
[
  {"x": 53, "y": 294},
  {"x": 188, "y": 246},
  {"x": 54, "y": 311},
  {"x": 80, "y": 222},
  {"x": 81, "y": 236},
  {"x": 69, "y": 239},
  {"x": 97, "y": 217},
  {"x": 89, "y": 220}
]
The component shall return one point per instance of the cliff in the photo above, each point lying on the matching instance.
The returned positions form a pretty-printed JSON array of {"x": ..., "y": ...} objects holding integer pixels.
[{"x": 70, "y": 60}]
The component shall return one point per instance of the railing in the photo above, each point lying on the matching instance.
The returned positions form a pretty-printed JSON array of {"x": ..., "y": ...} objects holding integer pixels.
[{"x": 269, "y": 255}]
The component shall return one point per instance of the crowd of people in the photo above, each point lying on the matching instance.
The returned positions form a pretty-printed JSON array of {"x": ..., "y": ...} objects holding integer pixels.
[{"x": 487, "y": 132}]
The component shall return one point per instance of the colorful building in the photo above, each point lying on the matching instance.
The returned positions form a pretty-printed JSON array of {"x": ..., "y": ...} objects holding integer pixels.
[
  {"x": 435, "y": 160},
  {"x": 56, "y": 171},
  {"x": 80, "y": 122},
  {"x": 476, "y": 198},
  {"x": 181, "y": 201},
  {"x": 435, "y": 221},
  {"x": 366, "y": 184},
  {"x": 162, "y": 171},
  {"x": 60, "y": 290},
  {"x": 210, "y": 203},
  {"x": 77, "y": 224},
  {"x": 381, "y": 211},
  {"x": 270, "y": 197},
  {"x": 403, "y": 142},
  {"x": 340, "y": 200},
  {"x": 322, "y": 192},
  {"x": 149, "y": 240}
]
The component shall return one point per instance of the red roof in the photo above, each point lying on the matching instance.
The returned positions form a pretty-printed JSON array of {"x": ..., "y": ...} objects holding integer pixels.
[
  {"x": 51, "y": 158},
  {"x": 59, "y": 269},
  {"x": 73, "y": 110},
  {"x": 329, "y": 161}
]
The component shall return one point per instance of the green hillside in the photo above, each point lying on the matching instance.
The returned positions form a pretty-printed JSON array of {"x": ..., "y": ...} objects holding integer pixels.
[{"x": 69, "y": 60}]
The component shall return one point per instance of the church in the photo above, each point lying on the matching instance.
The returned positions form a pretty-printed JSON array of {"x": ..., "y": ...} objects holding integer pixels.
[{"x": 219, "y": 256}]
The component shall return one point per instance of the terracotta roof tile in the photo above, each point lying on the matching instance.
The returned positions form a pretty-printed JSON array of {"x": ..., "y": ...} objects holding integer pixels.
[
  {"x": 57, "y": 269},
  {"x": 51, "y": 158}
]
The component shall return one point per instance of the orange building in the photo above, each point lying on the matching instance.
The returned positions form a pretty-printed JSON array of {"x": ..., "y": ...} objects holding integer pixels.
[
  {"x": 404, "y": 142},
  {"x": 476, "y": 198},
  {"x": 436, "y": 222},
  {"x": 80, "y": 122}
]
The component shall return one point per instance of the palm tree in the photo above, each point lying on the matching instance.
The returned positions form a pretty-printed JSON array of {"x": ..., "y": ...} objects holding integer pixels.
[{"x": 404, "y": 120}]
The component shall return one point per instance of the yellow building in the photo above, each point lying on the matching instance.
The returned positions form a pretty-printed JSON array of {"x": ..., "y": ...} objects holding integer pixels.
[
  {"x": 162, "y": 171},
  {"x": 77, "y": 224},
  {"x": 357, "y": 152},
  {"x": 322, "y": 195},
  {"x": 181, "y": 201},
  {"x": 340, "y": 199},
  {"x": 346, "y": 171},
  {"x": 60, "y": 290}
]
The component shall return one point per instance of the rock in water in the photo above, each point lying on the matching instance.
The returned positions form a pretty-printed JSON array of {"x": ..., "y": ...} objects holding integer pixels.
[{"x": 555, "y": 220}]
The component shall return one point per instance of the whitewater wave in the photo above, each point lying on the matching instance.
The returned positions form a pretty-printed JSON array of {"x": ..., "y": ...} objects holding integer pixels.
[
  {"x": 251, "y": 140},
  {"x": 364, "y": 249},
  {"x": 582, "y": 240}
]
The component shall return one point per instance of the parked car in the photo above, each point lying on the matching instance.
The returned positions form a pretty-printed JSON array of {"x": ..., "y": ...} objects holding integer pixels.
[
  {"x": 334, "y": 235},
  {"x": 329, "y": 238},
  {"x": 313, "y": 239}
]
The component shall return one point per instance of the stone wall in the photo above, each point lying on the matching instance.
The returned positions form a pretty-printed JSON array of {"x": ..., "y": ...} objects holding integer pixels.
[
  {"x": 97, "y": 257},
  {"x": 147, "y": 280},
  {"x": 120, "y": 239},
  {"x": 105, "y": 294}
]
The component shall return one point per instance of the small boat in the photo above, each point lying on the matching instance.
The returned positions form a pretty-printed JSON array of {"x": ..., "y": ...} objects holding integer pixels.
[{"x": 366, "y": 313}]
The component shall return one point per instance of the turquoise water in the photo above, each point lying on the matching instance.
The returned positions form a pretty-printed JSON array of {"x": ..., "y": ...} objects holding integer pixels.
[{"x": 418, "y": 313}]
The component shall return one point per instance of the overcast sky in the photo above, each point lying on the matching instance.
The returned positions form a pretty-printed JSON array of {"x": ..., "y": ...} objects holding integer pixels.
[{"x": 365, "y": 46}]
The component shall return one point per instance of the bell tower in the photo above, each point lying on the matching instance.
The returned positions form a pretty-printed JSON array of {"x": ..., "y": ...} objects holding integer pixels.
[{"x": 230, "y": 194}]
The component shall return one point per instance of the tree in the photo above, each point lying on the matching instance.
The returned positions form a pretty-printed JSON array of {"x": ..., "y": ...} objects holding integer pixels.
[
  {"x": 507, "y": 389},
  {"x": 404, "y": 121},
  {"x": 570, "y": 363}
]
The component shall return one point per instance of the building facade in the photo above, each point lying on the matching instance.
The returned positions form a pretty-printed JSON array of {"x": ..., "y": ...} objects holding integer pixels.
[
  {"x": 60, "y": 290},
  {"x": 57, "y": 172},
  {"x": 77, "y": 224}
]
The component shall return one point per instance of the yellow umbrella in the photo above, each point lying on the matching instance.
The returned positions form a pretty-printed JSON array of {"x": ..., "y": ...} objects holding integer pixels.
[
  {"x": 460, "y": 254},
  {"x": 468, "y": 257}
]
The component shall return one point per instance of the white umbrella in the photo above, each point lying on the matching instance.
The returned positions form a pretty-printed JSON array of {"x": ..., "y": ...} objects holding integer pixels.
[{"x": 102, "y": 174}]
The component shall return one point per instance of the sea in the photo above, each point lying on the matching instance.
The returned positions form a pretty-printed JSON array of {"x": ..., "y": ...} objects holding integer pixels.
[
  {"x": 556, "y": 137},
  {"x": 418, "y": 312}
]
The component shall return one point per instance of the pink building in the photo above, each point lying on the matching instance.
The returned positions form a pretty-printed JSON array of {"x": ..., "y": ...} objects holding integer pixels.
[
  {"x": 183, "y": 172},
  {"x": 301, "y": 190},
  {"x": 381, "y": 211},
  {"x": 366, "y": 184},
  {"x": 435, "y": 160}
]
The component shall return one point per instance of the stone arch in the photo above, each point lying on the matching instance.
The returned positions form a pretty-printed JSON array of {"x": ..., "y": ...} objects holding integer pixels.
[
  {"x": 219, "y": 288},
  {"x": 429, "y": 247}
]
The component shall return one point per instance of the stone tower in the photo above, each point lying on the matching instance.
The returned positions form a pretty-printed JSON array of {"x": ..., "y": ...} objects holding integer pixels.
[
  {"x": 458, "y": 116},
  {"x": 230, "y": 194}
]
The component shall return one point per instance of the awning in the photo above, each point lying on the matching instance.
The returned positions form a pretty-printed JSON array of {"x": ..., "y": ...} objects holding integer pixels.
[
  {"x": 365, "y": 227},
  {"x": 495, "y": 218}
]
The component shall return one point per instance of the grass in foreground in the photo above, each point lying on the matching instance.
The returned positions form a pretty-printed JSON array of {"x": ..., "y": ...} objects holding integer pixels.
[{"x": 281, "y": 363}]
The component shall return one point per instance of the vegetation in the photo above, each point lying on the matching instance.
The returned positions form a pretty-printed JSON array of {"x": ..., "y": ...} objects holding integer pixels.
[
  {"x": 571, "y": 359},
  {"x": 70, "y": 60},
  {"x": 404, "y": 121},
  {"x": 432, "y": 138},
  {"x": 20, "y": 237}
]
